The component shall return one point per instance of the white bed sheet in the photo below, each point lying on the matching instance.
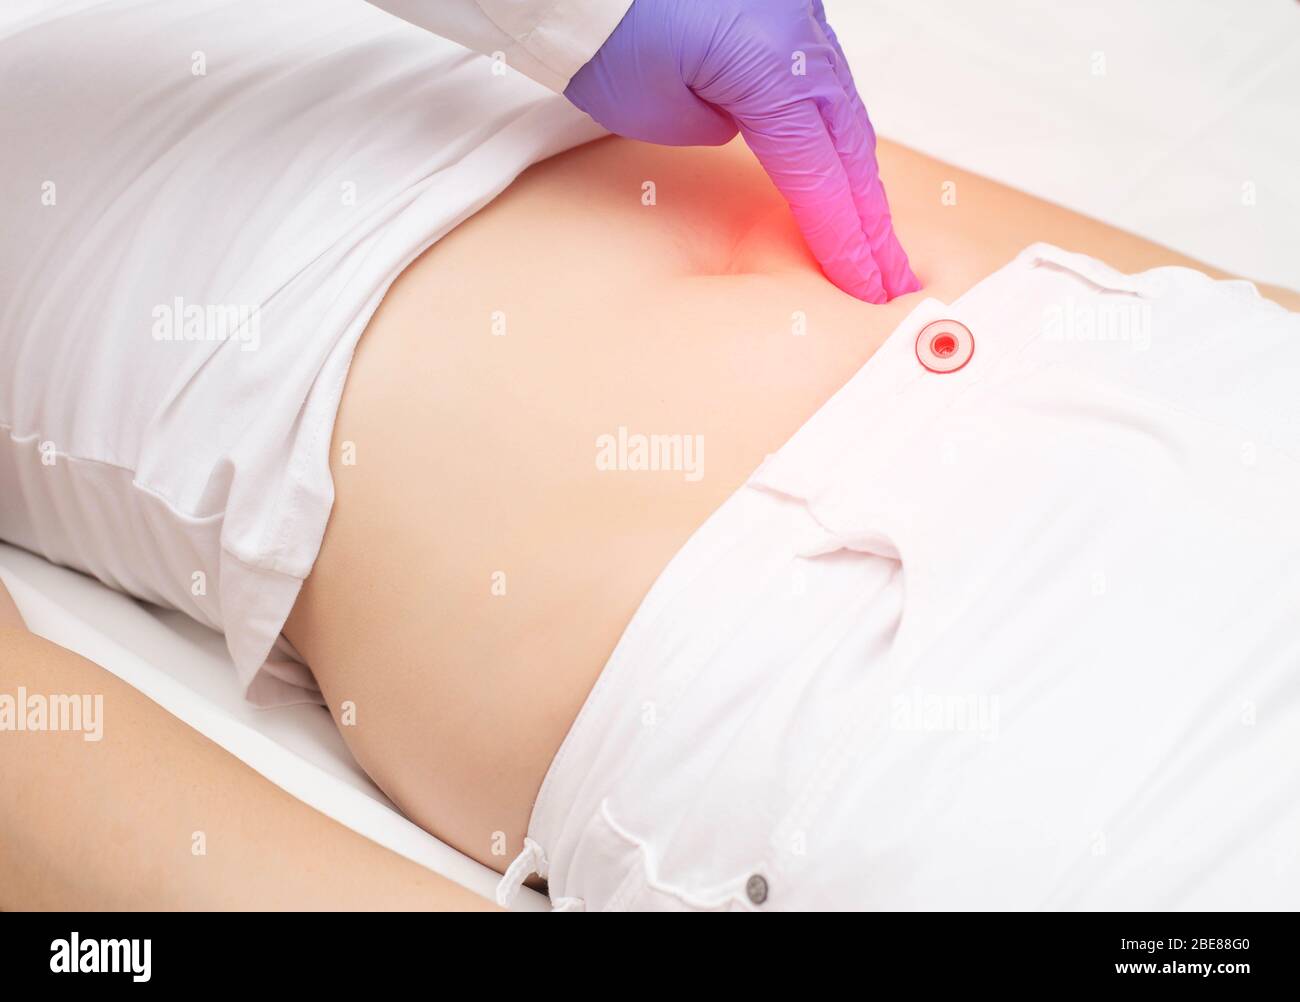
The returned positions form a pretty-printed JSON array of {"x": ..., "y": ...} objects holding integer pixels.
[{"x": 1197, "y": 99}]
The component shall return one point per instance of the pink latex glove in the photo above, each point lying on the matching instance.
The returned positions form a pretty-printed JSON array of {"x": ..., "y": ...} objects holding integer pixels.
[{"x": 693, "y": 72}]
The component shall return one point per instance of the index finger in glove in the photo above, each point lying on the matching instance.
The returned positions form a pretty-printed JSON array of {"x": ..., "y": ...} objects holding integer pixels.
[{"x": 796, "y": 150}]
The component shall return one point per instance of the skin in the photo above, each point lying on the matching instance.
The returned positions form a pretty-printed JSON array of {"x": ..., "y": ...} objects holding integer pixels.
[
  {"x": 9, "y": 616},
  {"x": 475, "y": 454},
  {"x": 109, "y": 825}
]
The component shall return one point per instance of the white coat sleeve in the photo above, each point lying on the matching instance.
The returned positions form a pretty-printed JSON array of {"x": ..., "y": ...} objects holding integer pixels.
[{"x": 548, "y": 40}]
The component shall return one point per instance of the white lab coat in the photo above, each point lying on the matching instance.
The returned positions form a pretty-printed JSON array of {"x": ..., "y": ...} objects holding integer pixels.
[{"x": 548, "y": 40}]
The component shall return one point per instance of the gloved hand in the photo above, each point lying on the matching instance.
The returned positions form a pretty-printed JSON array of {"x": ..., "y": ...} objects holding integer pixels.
[{"x": 693, "y": 72}]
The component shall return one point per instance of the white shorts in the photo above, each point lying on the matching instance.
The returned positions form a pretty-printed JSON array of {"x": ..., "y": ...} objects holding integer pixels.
[
  {"x": 1019, "y": 635},
  {"x": 202, "y": 210}
]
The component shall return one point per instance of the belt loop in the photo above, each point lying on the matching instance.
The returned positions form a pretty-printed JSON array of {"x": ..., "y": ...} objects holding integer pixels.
[
  {"x": 1097, "y": 272},
  {"x": 532, "y": 859}
]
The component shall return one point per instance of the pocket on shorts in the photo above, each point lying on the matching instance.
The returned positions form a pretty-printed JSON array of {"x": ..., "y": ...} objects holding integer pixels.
[{"x": 618, "y": 873}]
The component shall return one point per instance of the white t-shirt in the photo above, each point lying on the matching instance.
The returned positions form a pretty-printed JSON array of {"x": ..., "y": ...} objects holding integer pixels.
[{"x": 203, "y": 204}]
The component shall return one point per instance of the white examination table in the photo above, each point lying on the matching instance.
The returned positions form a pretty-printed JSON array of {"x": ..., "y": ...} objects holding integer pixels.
[{"x": 1197, "y": 101}]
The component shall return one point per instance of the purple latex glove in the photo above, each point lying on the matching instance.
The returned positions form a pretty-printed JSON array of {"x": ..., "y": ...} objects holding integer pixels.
[{"x": 693, "y": 72}]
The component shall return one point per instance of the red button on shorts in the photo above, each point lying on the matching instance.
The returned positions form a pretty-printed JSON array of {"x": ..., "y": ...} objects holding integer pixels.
[{"x": 944, "y": 345}]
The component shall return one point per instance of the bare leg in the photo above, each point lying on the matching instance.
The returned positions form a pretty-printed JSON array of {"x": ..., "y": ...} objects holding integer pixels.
[
  {"x": 114, "y": 824},
  {"x": 9, "y": 616}
]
